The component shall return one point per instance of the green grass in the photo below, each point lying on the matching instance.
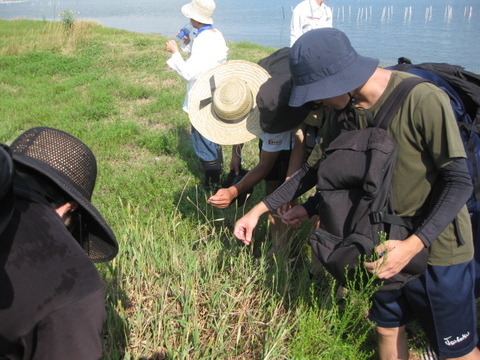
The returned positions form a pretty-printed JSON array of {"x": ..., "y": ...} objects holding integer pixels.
[{"x": 181, "y": 287}]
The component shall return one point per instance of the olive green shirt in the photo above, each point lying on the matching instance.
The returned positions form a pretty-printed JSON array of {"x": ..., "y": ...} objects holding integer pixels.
[{"x": 427, "y": 138}]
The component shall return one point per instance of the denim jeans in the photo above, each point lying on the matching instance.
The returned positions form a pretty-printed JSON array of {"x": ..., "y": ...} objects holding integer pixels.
[{"x": 206, "y": 150}]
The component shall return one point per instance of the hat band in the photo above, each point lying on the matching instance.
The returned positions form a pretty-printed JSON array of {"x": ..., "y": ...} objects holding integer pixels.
[{"x": 209, "y": 100}]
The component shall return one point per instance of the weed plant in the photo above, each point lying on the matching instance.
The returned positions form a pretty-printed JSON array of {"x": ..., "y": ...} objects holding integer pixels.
[
  {"x": 181, "y": 287},
  {"x": 68, "y": 18}
]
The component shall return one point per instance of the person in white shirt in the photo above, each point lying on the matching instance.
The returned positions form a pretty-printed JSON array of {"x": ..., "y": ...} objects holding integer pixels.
[
  {"x": 308, "y": 15},
  {"x": 282, "y": 152},
  {"x": 206, "y": 51}
]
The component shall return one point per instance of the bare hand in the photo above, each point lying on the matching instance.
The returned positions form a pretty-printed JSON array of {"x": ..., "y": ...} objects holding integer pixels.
[
  {"x": 171, "y": 46},
  {"x": 295, "y": 216},
  {"x": 396, "y": 255},
  {"x": 223, "y": 197},
  {"x": 244, "y": 228},
  {"x": 282, "y": 210}
]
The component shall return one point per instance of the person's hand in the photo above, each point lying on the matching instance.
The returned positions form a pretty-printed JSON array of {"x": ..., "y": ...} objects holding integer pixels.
[
  {"x": 244, "y": 228},
  {"x": 295, "y": 216},
  {"x": 236, "y": 162},
  {"x": 171, "y": 46},
  {"x": 284, "y": 208},
  {"x": 396, "y": 255},
  {"x": 223, "y": 197}
]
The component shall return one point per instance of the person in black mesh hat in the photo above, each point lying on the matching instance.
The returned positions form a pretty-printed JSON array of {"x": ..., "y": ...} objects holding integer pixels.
[{"x": 52, "y": 302}]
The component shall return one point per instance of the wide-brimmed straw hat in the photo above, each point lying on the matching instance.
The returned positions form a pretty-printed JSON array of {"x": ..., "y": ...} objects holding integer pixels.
[
  {"x": 200, "y": 10},
  {"x": 71, "y": 165},
  {"x": 324, "y": 64},
  {"x": 222, "y": 103}
]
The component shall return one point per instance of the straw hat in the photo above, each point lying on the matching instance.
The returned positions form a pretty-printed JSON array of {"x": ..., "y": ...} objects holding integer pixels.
[
  {"x": 71, "y": 165},
  {"x": 222, "y": 103},
  {"x": 200, "y": 10}
]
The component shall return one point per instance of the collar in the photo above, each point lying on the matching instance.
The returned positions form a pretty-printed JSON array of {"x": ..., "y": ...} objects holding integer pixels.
[{"x": 203, "y": 28}]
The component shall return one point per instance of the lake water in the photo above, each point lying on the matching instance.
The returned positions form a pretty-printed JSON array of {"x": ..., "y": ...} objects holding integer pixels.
[{"x": 422, "y": 30}]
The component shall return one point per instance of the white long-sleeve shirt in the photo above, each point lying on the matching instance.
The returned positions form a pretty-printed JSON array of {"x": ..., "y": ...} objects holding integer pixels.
[
  {"x": 206, "y": 51},
  {"x": 308, "y": 15}
]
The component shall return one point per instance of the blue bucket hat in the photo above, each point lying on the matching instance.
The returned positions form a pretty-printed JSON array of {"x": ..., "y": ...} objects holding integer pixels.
[{"x": 324, "y": 64}]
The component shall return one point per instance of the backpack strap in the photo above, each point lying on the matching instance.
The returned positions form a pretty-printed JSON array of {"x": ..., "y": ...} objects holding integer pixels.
[
  {"x": 382, "y": 120},
  {"x": 394, "y": 100}
]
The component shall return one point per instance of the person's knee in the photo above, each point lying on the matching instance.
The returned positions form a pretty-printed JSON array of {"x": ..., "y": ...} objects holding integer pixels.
[
  {"x": 391, "y": 334},
  {"x": 386, "y": 332},
  {"x": 392, "y": 343}
]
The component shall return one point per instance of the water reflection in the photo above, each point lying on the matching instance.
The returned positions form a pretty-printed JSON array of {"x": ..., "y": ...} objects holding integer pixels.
[{"x": 441, "y": 32}]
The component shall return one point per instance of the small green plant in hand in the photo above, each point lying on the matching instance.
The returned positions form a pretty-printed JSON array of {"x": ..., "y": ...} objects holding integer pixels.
[{"x": 382, "y": 237}]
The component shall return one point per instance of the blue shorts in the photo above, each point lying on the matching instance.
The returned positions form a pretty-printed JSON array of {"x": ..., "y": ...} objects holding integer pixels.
[{"x": 442, "y": 300}]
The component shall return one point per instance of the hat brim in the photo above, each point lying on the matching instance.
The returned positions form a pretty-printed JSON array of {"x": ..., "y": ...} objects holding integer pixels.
[
  {"x": 189, "y": 12},
  {"x": 203, "y": 117},
  {"x": 288, "y": 119},
  {"x": 350, "y": 78},
  {"x": 102, "y": 245},
  {"x": 276, "y": 115}
]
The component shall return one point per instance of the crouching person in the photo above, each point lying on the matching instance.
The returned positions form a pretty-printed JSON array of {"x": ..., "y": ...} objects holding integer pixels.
[{"x": 52, "y": 301}]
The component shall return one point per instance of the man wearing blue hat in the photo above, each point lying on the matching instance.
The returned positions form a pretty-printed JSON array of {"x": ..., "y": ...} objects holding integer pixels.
[{"x": 327, "y": 71}]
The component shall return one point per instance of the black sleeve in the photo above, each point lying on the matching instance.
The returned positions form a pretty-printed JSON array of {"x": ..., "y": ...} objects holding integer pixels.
[
  {"x": 456, "y": 189},
  {"x": 298, "y": 184},
  {"x": 311, "y": 204}
]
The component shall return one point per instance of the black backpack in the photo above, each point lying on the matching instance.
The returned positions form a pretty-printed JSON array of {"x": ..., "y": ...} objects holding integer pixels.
[
  {"x": 356, "y": 199},
  {"x": 463, "y": 89}
]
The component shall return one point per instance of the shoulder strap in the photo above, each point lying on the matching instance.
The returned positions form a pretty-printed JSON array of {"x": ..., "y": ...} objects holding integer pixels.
[
  {"x": 393, "y": 102},
  {"x": 383, "y": 119}
]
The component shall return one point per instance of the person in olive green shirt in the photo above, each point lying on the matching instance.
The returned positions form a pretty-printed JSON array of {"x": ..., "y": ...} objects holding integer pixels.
[{"x": 327, "y": 71}]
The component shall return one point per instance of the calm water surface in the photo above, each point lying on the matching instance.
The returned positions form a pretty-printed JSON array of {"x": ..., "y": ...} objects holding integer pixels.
[{"x": 422, "y": 30}]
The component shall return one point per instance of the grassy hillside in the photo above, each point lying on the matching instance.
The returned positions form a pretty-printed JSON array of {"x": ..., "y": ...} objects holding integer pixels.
[{"x": 181, "y": 287}]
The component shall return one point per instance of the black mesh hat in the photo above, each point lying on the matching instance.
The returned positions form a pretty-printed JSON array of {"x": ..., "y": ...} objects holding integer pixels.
[
  {"x": 71, "y": 165},
  {"x": 6, "y": 188}
]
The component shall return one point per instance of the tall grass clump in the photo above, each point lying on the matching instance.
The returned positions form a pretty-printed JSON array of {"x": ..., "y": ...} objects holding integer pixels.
[
  {"x": 190, "y": 294},
  {"x": 334, "y": 324}
]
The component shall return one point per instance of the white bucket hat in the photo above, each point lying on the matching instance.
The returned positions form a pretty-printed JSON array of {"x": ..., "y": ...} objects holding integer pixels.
[
  {"x": 200, "y": 10},
  {"x": 222, "y": 103}
]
